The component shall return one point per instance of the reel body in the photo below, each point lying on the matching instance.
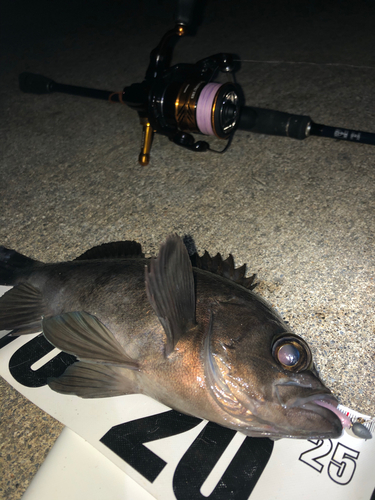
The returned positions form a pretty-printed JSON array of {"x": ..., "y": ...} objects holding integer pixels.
[{"x": 183, "y": 99}]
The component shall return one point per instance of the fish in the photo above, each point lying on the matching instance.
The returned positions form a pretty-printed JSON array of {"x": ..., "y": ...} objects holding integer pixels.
[{"x": 186, "y": 330}]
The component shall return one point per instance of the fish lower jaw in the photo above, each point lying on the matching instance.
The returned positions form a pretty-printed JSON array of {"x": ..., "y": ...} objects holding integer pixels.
[{"x": 331, "y": 424}]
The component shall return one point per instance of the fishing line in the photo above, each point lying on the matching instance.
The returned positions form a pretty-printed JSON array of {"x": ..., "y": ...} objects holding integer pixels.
[{"x": 306, "y": 63}]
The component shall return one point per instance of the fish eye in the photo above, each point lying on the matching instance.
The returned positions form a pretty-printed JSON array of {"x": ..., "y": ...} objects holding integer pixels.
[
  {"x": 292, "y": 353},
  {"x": 288, "y": 355}
]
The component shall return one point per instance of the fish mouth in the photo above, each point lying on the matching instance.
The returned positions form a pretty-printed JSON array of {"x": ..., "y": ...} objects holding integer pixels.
[
  {"x": 325, "y": 406},
  {"x": 311, "y": 407}
]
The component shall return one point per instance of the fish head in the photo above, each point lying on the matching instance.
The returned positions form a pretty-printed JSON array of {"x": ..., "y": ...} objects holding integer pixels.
[{"x": 262, "y": 376}]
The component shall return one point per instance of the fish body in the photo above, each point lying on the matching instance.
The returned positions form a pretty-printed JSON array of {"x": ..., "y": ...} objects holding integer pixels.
[{"x": 196, "y": 338}]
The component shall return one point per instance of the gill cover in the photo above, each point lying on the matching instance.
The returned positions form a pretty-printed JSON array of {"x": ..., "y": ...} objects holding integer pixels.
[
  {"x": 247, "y": 350},
  {"x": 236, "y": 353},
  {"x": 217, "y": 371}
]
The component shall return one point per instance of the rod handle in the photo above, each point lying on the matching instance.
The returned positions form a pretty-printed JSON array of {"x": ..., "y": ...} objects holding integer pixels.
[
  {"x": 35, "y": 84},
  {"x": 270, "y": 122}
]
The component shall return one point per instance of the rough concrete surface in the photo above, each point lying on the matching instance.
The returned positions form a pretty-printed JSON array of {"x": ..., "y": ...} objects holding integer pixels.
[{"x": 300, "y": 213}]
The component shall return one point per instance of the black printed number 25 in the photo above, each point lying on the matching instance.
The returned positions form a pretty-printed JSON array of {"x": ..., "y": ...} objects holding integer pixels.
[{"x": 342, "y": 465}]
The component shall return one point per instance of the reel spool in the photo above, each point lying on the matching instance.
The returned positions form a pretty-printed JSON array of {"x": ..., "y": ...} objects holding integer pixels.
[{"x": 207, "y": 108}]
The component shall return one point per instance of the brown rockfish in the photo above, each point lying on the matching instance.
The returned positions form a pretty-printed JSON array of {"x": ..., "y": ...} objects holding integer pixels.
[{"x": 186, "y": 331}]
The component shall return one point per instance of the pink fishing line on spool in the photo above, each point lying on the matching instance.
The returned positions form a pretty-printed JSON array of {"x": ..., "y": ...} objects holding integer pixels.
[{"x": 204, "y": 108}]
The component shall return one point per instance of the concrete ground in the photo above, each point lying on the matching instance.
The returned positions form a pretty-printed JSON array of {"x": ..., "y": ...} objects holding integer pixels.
[{"x": 300, "y": 213}]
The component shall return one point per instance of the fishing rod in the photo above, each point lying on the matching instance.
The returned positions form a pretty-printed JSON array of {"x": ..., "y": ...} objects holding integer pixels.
[{"x": 178, "y": 101}]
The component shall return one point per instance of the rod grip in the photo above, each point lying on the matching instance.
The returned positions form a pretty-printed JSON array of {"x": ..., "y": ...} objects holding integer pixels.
[
  {"x": 267, "y": 121},
  {"x": 35, "y": 84}
]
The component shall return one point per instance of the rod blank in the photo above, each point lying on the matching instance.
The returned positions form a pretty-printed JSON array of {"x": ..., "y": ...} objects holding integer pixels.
[{"x": 259, "y": 120}]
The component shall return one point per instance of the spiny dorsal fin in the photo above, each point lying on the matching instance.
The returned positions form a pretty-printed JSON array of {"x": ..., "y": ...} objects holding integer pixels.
[
  {"x": 170, "y": 290},
  {"x": 224, "y": 268},
  {"x": 114, "y": 250}
]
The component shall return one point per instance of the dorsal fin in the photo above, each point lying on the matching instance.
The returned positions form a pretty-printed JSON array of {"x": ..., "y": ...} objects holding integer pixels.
[
  {"x": 170, "y": 290},
  {"x": 224, "y": 268},
  {"x": 114, "y": 250}
]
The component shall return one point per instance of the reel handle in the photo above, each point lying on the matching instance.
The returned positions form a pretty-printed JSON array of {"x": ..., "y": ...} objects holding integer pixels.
[{"x": 147, "y": 137}]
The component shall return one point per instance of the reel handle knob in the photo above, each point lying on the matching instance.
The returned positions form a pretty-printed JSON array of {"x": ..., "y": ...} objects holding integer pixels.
[{"x": 147, "y": 137}]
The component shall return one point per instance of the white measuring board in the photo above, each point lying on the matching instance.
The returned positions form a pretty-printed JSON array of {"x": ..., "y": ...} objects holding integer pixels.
[{"x": 171, "y": 455}]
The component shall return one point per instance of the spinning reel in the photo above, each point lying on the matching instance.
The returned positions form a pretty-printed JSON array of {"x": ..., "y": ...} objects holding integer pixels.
[{"x": 177, "y": 101}]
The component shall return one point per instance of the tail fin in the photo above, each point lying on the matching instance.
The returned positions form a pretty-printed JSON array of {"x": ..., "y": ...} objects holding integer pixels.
[
  {"x": 13, "y": 266},
  {"x": 22, "y": 307}
]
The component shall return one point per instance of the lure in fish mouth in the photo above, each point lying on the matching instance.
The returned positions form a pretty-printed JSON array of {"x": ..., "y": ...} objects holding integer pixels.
[{"x": 185, "y": 330}]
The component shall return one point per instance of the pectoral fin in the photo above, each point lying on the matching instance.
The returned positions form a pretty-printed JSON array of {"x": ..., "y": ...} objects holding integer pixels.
[
  {"x": 92, "y": 380},
  {"x": 87, "y": 338},
  {"x": 170, "y": 290}
]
